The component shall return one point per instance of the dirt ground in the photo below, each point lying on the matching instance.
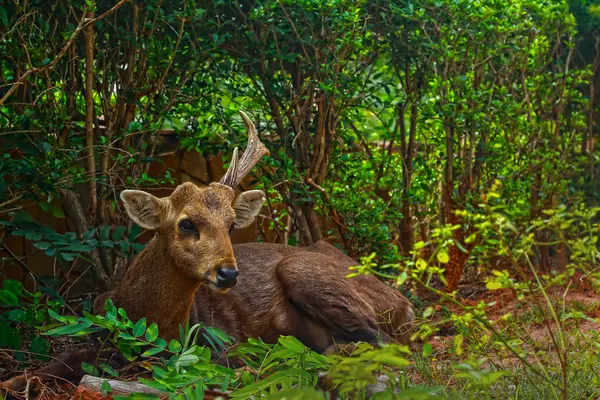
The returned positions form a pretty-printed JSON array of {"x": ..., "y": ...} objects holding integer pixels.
[{"x": 531, "y": 320}]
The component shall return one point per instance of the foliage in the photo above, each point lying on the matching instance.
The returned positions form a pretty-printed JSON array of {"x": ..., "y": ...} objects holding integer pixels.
[
  {"x": 507, "y": 337},
  {"x": 439, "y": 142},
  {"x": 68, "y": 246},
  {"x": 185, "y": 369},
  {"x": 23, "y": 311}
]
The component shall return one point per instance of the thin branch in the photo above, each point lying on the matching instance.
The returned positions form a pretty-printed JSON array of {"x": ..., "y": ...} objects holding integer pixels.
[
  {"x": 89, "y": 115},
  {"x": 22, "y": 265},
  {"x": 83, "y": 23},
  {"x": 335, "y": 216}
]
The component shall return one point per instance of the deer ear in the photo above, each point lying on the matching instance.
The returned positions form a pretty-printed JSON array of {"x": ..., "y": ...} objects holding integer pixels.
[
  {"x": 247, "y": 206},
  {"x": 143, "y": 208}
]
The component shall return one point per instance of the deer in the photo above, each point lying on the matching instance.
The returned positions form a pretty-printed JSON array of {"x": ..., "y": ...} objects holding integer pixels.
[{"x": 190, "y": 272}]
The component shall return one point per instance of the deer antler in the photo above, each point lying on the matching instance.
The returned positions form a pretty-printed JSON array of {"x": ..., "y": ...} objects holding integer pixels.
[{"x": 254, "y": 152}]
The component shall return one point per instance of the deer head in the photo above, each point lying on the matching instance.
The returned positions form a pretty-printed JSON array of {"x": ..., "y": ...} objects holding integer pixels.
[{"x": 195, "y": 224}]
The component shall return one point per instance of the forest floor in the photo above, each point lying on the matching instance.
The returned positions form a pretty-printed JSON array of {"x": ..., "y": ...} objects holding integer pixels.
[{"x": 530, "y": 320}]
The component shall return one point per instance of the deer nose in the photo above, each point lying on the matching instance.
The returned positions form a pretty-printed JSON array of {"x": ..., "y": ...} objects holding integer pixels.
[{"x": 227, "y": 276}]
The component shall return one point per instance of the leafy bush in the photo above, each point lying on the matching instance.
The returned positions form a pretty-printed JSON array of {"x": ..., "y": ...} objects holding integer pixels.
[
  {"x": 23, "y": 311},
  {"x": 184, "y": 369}
]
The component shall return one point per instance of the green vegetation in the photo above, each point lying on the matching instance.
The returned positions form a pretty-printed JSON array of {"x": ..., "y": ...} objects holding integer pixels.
[{"x": 449, "y": 145}]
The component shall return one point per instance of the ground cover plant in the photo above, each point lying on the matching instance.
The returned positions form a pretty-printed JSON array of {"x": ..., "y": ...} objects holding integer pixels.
[{"x": 450, "y": 147}]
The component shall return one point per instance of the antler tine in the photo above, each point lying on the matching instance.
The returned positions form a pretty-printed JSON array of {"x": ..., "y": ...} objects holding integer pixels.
[
  {"x": 229, "y": 177},
  {"x": 254, "y": 152}
]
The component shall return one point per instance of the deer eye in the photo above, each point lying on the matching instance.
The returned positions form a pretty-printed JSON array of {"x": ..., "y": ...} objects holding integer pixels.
[
  {"x": 187, "y": 226},
  {"x": 231, "y": 229}
]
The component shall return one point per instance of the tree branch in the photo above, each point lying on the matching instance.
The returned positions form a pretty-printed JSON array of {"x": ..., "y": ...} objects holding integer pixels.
[{"x": 83, "y": 23}]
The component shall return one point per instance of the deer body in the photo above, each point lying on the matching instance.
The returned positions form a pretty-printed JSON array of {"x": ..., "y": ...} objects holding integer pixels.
[{"x": 303, "y": 292}]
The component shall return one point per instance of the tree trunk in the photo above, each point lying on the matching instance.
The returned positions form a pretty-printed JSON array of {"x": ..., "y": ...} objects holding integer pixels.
[
  {"x": 74, "y": 212},
  {"x": 312, "y": 221},
  {"x": 407, "y": 149},
  {"x": 89, "y": 116}
]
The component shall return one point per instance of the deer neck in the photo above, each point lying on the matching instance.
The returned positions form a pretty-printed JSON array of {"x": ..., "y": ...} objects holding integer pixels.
[{"x": 154, "y": 288}]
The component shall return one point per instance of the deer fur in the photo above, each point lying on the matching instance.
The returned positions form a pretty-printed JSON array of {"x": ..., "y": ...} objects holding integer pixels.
[
  {"x": 304, "y": 292},
  {"x": 283, "y": 290},
  {"x": 161, "y": 282}
]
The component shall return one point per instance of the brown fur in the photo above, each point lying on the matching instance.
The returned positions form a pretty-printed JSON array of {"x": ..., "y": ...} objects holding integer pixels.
[
  {"x": 304, "y": 292},
  {"x": 161, "y": 282},
  {"x": 284, "y": 290}
]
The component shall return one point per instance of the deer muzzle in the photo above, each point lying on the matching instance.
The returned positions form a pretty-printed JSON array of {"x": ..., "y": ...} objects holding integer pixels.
[{"x": 226, "y": 276}]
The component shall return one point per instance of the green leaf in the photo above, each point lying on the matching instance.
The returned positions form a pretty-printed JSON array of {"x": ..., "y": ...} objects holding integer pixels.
[
  {"x": 152, "y": 351},
  {"x": 33, "y": 236},
  {"x": 291, "y": 343},
  {"x": 392, "y": 360},
  {"x": 109, "y": 370},
  {"x": 443, "y": 257},
  {"x": 89, "y": 234},
  {"x": 134, "y": 232},
  {"x": 187, "y": 359},
  {"x": 42, "y": 245},
  {"x": 140, "y": 327},
  {"x": 67, "y": 256},
  {"x": 152, "y": 332},
  {"x": 98, "y": 320},
  {"x": 80, "y": 247},
  {"x": 90, "y": 369},
  {"x": 3, "y": 16},
  {"x": 45, "y": 206},
  {"x": 175, "y": 346},
  {"x": 118, "y": 233},
  {"x": 68, "y": 329},
  {"x": 493, "y": 285},
  {"x": 106, "y": 388},
  {"x": 427, "y": 350},
  {"x": 428, "y": 312},
  {"x": 40, "y": 346},
  {"x": 8, "y": 298},
  {"x": 58, "y": 212},
  {"x": 10, "y": 336},
  {"x": 61, "y": 318},
  {"x": 458, "y": 343},
  {"x": 104, "y": 231}
]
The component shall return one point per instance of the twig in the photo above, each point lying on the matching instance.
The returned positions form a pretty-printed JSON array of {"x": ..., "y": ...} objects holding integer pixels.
[
  {"x": 336, "y": 218},
  {"x": 37, "y": 354},
  {"x": 8, "y": 202},
  {"x": 83, "y": 23},
  {"x": 23, "y": 265}
]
